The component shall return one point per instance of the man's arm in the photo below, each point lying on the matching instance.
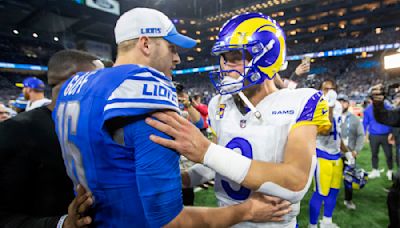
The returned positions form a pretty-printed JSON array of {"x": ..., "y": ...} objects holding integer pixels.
[
  {"x": 256, "y": 209},
  {"x": 359, "y": 136},
  {"x": 365, "y": 122},
  {"x": 195, "y": 116},
  {"x": 301, "y": 69},
  {"x": 196, "y": 175},
  {"x": 386, "y": 117},
  {"x": 159, "y": 185},
  {"x": 293, "y": 172},
  {"x": 381, "y": 114}
]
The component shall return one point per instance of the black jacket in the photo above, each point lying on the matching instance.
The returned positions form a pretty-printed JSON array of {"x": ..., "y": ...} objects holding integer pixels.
[
  {"x": 386, "y": 117},
  {"x": 35, "y": 190}
]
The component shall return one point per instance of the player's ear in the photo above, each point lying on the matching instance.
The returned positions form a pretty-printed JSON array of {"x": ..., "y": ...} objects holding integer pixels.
[{"x": 144, "y": 45}]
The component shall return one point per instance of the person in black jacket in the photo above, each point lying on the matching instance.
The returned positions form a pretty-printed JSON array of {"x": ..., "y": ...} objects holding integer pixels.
[
  {"x": 35, "y": 190},
  {"x": 382, "y": 115},
  {"x": 390, "y": 118}
]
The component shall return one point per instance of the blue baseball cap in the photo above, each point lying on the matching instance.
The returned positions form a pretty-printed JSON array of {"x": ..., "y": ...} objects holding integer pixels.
[
  {"x": 139, "y": 22},
  {"x": 33, "y": 83}
]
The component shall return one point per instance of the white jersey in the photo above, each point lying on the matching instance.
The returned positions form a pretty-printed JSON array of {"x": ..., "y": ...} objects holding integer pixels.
[
  {"x": 262, "y": 139},
  {"x": 331, "y": 143},
  {"x": 37, "y": 104}
]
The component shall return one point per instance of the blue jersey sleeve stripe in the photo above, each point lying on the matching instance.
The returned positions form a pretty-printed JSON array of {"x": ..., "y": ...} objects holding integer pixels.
[
  {"x": 153, "y": 72},
  {"x": 140, "y": 78},
  {"x": 142, "y": 100},
  {"x": 118, "y": 112},
  {"x": 151, "y": 79},
  {"x": 136, "y": 105},
  {"x": 309, "y": 109}
]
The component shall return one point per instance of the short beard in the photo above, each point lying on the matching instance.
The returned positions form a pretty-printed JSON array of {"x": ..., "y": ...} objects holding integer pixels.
[
  {"x": 345, "y": 110},
  {"x": 252, "y": 90},
  {"x": 249, "y": 93}
]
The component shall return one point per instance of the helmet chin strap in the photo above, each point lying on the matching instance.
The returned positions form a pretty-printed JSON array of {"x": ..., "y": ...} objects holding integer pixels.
[
  {"x": 253, "y": 109},
  {"x": 232, "y": 85}
]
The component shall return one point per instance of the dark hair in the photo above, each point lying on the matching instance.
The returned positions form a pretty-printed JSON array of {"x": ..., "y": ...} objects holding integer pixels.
[
  {"x": 330, "y": 81},
  {"x": 196, "y": 96},
  {"x": 66, "y": 63},
  {"x": 179, "y": 87}
]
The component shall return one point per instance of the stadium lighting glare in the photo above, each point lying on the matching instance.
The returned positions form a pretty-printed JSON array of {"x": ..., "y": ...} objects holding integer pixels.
[
  {"x": 15, "y": 32},
  {"x": 56, "y": 38},
  {"x": 391, "y": 61},
  {"x": 35, "y": 35}
]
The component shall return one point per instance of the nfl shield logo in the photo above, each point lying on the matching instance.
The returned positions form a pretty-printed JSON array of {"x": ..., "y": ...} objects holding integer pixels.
[{"x": 243, "y": 123}]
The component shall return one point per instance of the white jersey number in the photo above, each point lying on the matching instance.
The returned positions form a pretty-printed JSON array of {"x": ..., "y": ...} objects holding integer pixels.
[{"x": 67, "y": 119}]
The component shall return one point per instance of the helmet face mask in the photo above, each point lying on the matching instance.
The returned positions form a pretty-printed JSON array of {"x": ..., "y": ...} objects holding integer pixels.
[
  {"x": 254, "y": 34},
  {"x": 224, "y": 81}
]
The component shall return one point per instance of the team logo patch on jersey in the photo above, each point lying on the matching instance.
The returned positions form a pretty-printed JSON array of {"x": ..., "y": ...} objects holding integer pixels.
[
  {"x": 283, "y": 112},
  {"x": 221, "y": 111}
]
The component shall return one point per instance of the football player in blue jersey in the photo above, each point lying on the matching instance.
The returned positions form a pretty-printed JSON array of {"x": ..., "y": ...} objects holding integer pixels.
[{"x": 99, "y": 120}]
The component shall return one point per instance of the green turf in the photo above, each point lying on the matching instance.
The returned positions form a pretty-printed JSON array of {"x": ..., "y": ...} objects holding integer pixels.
[{"x": 371, "y": 209}]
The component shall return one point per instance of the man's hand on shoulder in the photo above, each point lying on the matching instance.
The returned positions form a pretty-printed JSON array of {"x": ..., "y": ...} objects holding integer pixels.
[{"x": 78, "y": 208}]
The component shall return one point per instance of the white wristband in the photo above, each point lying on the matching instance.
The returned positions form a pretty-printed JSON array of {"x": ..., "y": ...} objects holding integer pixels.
[
  {"x": 227, "y": 162},
  {"x": 61, "y": 221}
]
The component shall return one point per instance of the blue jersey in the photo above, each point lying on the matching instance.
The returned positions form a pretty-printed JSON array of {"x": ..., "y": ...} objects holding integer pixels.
[{"x": 135, "y": 182}]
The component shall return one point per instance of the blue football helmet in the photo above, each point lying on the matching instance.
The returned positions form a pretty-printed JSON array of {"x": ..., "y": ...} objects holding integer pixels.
[
  {"x": 354, "y": 178},
  {"x": 262, "y": 38}
]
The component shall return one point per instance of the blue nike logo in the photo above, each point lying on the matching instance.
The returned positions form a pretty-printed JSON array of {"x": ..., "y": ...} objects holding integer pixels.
[{"x": 324, "y": 111}]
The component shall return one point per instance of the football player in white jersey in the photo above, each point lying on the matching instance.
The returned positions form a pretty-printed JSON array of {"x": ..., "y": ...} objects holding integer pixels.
[
  {"x": 329, "y": 171},
  {"x": 265, "y": 138}
]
